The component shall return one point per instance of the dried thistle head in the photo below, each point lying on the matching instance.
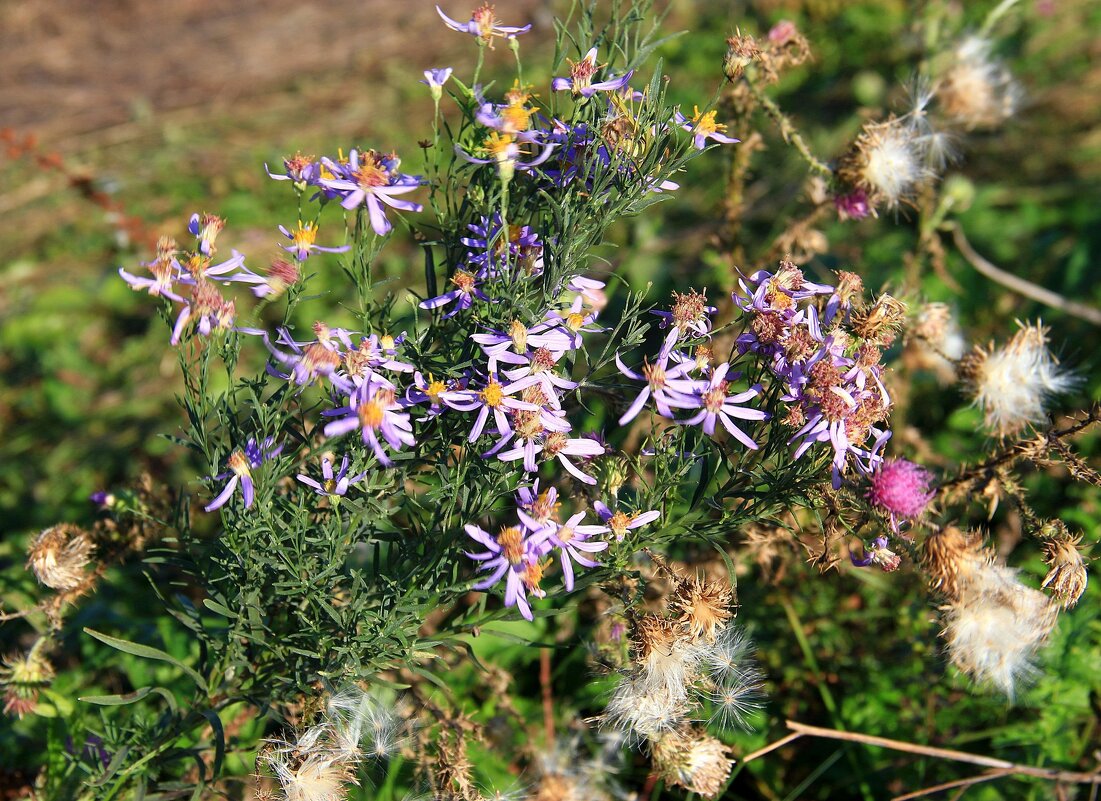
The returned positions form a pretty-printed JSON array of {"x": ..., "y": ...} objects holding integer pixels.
[
  {"x": 59, "y": 555},
  {"x": 995, "y": 626},
  {"x": 950, "y": 557},
  {"x": 882, "y": 321},
  {"x": 704, "y": 606},
  {"x": 887, "y": 161},
  {"x": 1014, "y": 384},
  {"x": 977, "y": 90},
  {"x": 1067, "y": 577},
  {"x": 694, "y": 760}
]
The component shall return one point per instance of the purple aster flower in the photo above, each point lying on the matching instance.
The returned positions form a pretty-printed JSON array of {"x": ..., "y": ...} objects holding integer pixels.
[
  {"x": 302, "y": 170},
  {"x": 206, "y": 228},
  {"x": 571, "y": 541},
  {"x": 489, "y": 254},
  {"x": 166, "y": 270},
  {"x": 303, "y": 238},
  {"x": 508, "y": 153},
  {"x": 619, "y": 522},
  {"x": 715, "y": 404},
  {"x": 878, "y": 554},
  {"x": 373, "y": 353},
  {"x": 704, "y": 127},
  {"x": 690, "y": 314},
  {"x": 519, "y": 338},
  {"x": 580, "y": 81},
  {"x": 665, "y": 384},
  {"x": 531, "y": 440},
  {"x": 373, "y": 179},
  {"x": 483, "y": 25},
  {"x": 538, "y": 369},
  {"x": 590, "y": 290},
  {"x": 207, "y": 309},
  {"x": 435, "y": 79},
  {"x": 374, "y": 410},
  {"x": 539, "y": 506},
  {"x": 241, "y": 464},
  {"x": 309, "y": 361},
  {"x": 463, "y": 295},
  {"x": 439, "y": 395},
  {"x": 494, "y": 398},
  {"x": 332, "y": 486},
  {"x": 900, "y": 488},
  {"x": 574, "y": 323},
  {"x": 514, "y": 554}
]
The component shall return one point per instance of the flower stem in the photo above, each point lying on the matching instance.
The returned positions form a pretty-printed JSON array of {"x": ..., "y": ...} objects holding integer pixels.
[{"x": 787, "y": 130}]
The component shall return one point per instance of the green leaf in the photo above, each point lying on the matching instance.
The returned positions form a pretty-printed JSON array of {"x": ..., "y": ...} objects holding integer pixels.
[{"x": 147, "y": 652}]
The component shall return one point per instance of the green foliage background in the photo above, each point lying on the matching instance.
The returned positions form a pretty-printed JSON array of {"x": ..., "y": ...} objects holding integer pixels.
[{"x": 87, "y": 391}]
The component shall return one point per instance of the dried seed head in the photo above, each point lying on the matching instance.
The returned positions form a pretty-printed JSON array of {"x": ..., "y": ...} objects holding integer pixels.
[
  {"x": 1014, "y": 384},
  {"x": 887, "y": 161},
  {"x": 643, "y": 711},
  {"x": 741, "y": 51},
  {"x": 950, "y": 557},
  {"x": 693, "y": 760},
  {"x": 59, "y": 555},
  {"x": 996, "y": 625},
  {"x": 882, "y": 321},
  {"x": 703, "y": 606},
  {"x": 977, "y": 90},
  {"x": 1067, "y": 577}
]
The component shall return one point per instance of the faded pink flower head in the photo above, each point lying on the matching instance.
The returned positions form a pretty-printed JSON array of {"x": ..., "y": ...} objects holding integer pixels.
[
  {"x": 853, "y": 206},
  {"x": 901, "y": 488},
  {"x": 782, "y": 32}
]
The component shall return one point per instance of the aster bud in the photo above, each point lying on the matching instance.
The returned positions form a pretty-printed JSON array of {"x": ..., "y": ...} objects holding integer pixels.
[
  {"x": 694, "y": 760},
  {"x": 1067, "y": 577},
  {"x": 59, "y": 555},
  {"x": 23, "y": 676}
]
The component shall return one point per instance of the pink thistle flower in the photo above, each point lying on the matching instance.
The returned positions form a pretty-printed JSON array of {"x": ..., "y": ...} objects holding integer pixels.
[{"x": 900, "y": 488}]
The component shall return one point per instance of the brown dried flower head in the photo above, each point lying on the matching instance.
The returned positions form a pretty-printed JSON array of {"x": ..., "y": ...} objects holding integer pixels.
[
  {"x": 882, "y": 321},
  {"x": 1067, "y": 577},
  {"x": 977, "y": 90},
  {"x": 950, "y": 556},
  {"x": 741, "y": 51},
  {"x": 704, "y": 606},
  {"x": 693, "y": 760},
  {"x": 59, "y": 555}
]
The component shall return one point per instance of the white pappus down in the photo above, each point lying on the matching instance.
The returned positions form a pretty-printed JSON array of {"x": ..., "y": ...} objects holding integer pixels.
[
  {"x": 996, "y": 626},
  {"x": 1015, "y": 383},
  {"x": 894, "y": 161}
]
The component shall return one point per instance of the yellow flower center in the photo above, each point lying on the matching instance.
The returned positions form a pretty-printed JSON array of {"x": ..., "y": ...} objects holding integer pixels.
[
  {"x": 492, "y": 394},
  {"x": 512, "y": 544},
  {"x": 705, "y": 123}
]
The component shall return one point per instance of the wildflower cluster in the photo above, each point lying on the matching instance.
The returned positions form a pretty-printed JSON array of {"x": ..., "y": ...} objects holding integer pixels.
[{"x": 522, "y": 411}]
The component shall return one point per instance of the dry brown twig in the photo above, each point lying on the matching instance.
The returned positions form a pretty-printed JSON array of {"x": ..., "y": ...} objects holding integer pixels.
[
  {"x": 1020, "y": 285},
  {"x": 999, "y": 767}
]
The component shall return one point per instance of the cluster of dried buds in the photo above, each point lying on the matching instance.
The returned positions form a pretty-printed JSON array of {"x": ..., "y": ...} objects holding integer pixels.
[{"x": 685, "y": 661}]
